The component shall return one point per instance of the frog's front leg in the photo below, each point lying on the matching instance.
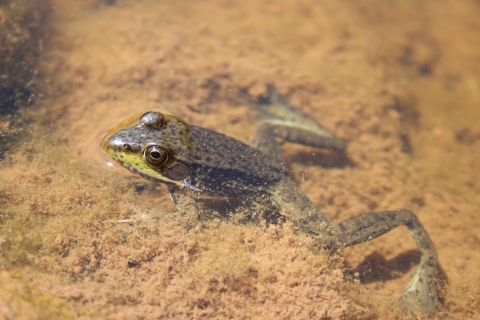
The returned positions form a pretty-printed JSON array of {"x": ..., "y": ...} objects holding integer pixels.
[
  {"x": 186, "y": 202},
  {"x": 421, "y": 292}
]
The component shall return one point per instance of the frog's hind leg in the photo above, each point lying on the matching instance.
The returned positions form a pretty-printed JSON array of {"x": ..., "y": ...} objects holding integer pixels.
[
  {"x": 268, "y": 144},
  {"x": 281, "y": 120},
  {"x": 421, "y": 293}
]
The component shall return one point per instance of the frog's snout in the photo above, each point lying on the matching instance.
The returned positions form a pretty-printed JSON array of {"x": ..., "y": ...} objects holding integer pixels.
[{"x": 119, "y": 143}]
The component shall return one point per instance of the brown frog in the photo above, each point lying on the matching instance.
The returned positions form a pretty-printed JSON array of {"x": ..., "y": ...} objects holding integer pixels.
[{"x": 195, "y": 163}]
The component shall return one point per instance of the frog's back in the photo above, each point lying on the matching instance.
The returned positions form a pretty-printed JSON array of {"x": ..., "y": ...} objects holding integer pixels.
[{"x": 224, "y": 161}]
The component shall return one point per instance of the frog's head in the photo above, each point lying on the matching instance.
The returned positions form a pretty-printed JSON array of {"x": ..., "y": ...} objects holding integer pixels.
[{"x": 157, "y": 146}]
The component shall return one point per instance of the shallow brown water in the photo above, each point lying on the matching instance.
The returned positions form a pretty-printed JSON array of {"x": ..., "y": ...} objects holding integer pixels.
[{"x": 400, "y": 82}]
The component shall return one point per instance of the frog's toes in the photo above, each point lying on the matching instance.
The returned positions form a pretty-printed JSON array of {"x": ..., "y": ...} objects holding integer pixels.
[{"x": 420, "y": 297}]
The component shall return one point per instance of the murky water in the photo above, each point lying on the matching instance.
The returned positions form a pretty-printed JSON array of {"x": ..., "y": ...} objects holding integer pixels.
[{"x": 400, "y": 82}]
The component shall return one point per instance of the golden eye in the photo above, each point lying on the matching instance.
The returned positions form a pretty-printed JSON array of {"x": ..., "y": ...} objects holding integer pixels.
[{"x": 156, "y": 155}]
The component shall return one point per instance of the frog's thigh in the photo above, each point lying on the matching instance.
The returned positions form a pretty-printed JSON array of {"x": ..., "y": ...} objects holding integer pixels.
[
  {"x": 266, "y": 142},
  {"x": 421, "y": 292}
]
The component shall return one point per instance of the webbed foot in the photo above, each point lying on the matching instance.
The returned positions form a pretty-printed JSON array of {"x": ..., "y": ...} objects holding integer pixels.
[{"x": 420, "y": 297}]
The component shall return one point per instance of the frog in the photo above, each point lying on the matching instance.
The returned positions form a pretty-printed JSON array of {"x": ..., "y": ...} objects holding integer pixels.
[{"x": 195, "y": 164}]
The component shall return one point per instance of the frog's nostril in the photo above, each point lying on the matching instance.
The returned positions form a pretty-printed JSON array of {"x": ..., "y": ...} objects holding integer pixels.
[{"x": 117, "y": 144}]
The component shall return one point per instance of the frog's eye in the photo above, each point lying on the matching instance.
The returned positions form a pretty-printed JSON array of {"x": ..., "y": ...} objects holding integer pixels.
[
  {"x": 156, "y": 155},
  {"x": 153, "y": 120}
]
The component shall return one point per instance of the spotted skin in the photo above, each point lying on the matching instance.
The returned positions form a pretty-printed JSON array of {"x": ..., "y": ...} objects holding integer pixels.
[{"x": 204, "y": 164}]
